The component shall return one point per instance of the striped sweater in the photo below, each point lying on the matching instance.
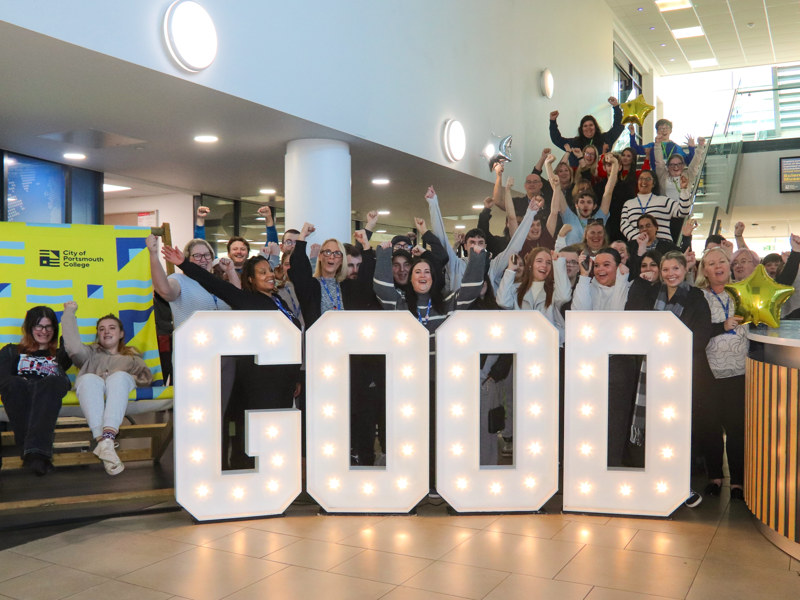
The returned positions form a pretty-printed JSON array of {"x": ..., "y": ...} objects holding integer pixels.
[
  {"x": 660, "y": 207},
  {"x": 458, "y": 299}
]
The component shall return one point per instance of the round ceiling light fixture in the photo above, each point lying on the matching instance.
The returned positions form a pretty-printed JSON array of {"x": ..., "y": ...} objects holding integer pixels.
[
  {"x": 455, "y": 140},
  {"x": 190, "y": 35},
  {"x": 547, "y": 83}
]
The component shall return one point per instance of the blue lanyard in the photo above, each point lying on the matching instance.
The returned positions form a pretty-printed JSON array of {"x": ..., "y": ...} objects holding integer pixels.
[
  {"x": 216, "y": 306},
  {"x": 337, "y": 304},
  {"x": 427, "y": 314},
  {"x": 726, "y": 308},
  {"x": 295, "y": 308},
  {"x": 281, "y": 308},
  {"x": 644, "y": 208}
]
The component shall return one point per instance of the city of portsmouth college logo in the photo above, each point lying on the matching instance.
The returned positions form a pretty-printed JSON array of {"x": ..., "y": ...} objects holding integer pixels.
[{"x": 49, "y": 258}]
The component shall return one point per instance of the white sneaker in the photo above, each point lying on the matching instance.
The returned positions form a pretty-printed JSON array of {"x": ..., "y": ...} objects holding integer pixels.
[{"x": 105, "y": 452}]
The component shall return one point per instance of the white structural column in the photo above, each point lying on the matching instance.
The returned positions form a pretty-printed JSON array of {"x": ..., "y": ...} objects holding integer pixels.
[{"x": 318, "y": 188}]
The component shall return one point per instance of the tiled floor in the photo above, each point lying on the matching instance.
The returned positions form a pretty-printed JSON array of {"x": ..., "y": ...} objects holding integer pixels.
[{"x": 713, "y": 551}]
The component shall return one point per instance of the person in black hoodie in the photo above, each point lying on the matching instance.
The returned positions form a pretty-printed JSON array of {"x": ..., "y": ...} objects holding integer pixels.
[
  {"x": 689, "y": 304},
  {"x": 32, "y": 384},
  {"x": 589, "y": 132},
  {"x": 255, "y": 386}
]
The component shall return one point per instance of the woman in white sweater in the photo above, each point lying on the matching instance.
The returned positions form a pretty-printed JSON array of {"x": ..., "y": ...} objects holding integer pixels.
[{"x": 541, "y": 283}]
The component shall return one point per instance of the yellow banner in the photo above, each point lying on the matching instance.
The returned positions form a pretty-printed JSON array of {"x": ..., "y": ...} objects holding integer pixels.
[{"x": 104, "y": 268}]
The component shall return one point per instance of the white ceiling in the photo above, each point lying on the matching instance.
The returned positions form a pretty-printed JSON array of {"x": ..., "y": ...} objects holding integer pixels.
[
  {"x": 738, "y": 33},
  {"x": 49, "y": 86}
]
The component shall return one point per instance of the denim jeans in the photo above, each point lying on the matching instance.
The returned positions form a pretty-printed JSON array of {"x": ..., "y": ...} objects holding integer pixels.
[{"x": 32, "y": 406}]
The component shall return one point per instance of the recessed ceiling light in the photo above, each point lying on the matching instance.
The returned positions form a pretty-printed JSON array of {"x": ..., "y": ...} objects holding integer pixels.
[
  {"x": 190, "y": 35},
  {"x": 662, "y": 45},
  {"x": 381, "y": 231},
  {"x": 380, "y": 181},
  {"x": 477, "y": 206},
  {"x": 705, "y": 62},
  {"x": 640, "y": 9},
  {"x": 107, "y": 187},
  {"x": 671, "y": 60},
  {"x": 687, "y": 32},
  {"x": 206, "y": 139},
  {"x": 383, "y": 212},
  {"x": 652, "y": 29},
  {"x": 268, "y": 192},
  {"x": 667, "y": 5},
  {"x": 461, "y": 226},
  {"x": 261, "y": 219},
  {"x": 74, "y": 156}
]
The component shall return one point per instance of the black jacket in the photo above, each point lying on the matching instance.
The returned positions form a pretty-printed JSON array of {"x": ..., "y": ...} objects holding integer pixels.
[
  {"x": 9, "y": 361},
  {"x": 635, "y": 261},
  {"x": 609, "y": 137}
]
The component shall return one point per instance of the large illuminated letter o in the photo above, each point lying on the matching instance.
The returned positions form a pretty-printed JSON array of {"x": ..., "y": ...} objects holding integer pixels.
[
  {"x": 331, "y": 480},
  {"x": 273, "y": 436},
  {"x": 589, "y": 485},
  {"x": 533, "y": 479}
]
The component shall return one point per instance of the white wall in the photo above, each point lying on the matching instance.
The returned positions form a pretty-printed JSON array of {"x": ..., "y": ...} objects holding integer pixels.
[
  {"x": 758, "y": 181},
  {"x": 175, "y": 209},
  {"x": 390, "y": 72}
]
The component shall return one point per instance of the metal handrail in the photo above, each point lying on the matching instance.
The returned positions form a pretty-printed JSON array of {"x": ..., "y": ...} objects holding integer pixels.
[{"x": 730, "y": 112}]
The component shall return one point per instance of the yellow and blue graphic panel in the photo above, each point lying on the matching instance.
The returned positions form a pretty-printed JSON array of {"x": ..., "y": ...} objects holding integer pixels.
[{"x": 104, "y": 268}]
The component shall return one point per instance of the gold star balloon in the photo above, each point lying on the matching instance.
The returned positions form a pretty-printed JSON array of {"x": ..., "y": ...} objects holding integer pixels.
[
  {"x": 758, "y": 299},
  {"x": 636, "y": 110}
]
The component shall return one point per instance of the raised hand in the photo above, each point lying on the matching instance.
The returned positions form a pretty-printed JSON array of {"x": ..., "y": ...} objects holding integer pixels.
[
  {"x": 203, "y": 212},
  {"x": 459, "y": 238},
  {"x": 623, "y": 270},
  {"x": 550, "y": 158},
  {"x": 227, "y": 265},
  {"x": 488, "y": 202},
  {"x": 513, "y": 263},
  {"x": 420, "y": 225},
  {"x": 554, "y": 182},
  {"x": 565, "y": 229},
  {"x": 585, "y": 264},
  {"x": 727, "y": 245},
  {"x": 417, "y": 251},
  {"x": 701, "y": 141},
  {"x": 306, "y": 231},
  {"x": 567, "y": 148},
  {"x": 70, "y": 307},
  {"x": 431, "y": 193},
  {"x": 794, "y": 240},
  {"x": 689, "y": 225},
  {"x": 554, "y": 255},
  {"x": 361, "y": 237},
  {"x": 537, "y": 203},
  {"x": 613, "y": 101},
  {"x": 684, "y": 182},
  {"x": 498, "y": 169},
  {"x": 546, "y": 152},
  {"x": 509, "y": 183},
  {"x": 577, "y": 152},
  {"x": 172, "y": 255},
  {"x": 690, "y": 140},
  {"x": 314, "y": 251},
  {"x": 641, "y": 239},
  {"x": 691, "y": 259},
  {"x": 631, "y": 128},
  {"x": 554, "y": 115},
  {"x": 738, "y": 229},
  {"x": 273, "y": 249},
  {"x": 385, "y": 245},
  {"x": 151, "y": 242},
  {"x": 647, "y": 276},
  {"x": 372, "y": 220}
]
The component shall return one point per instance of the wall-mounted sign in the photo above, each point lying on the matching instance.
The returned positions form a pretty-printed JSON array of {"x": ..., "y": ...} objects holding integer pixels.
[{"x": 790, "y": 174}]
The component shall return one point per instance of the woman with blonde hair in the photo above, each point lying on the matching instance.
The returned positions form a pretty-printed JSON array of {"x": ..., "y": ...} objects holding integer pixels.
[
  {"x": 109, "y": 371},
  {"x": 722, "y": 408}
]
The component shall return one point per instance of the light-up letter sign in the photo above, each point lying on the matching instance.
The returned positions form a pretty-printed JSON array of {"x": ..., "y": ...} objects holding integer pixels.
[
  {"x": 589, "y": 485},
  {"x": 273, "y": 436},
  {"x": 331, "y": 480},
  {"x": 533, "y": 478}
]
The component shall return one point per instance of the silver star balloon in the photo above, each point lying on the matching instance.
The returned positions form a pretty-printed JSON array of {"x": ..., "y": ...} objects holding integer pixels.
[{"x": 497, "y": 150}]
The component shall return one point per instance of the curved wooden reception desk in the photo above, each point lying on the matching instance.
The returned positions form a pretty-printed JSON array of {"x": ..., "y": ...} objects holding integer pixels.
[{"x": 772, "y": 434}]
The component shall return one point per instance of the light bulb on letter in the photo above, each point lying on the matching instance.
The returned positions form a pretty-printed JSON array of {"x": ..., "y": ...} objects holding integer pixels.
[
  {"x": 457, "y": 410},
  {"x": 663, "y": 337},
  {"x": 277, "y": 460},
  {"x": 461, "y": 336},
  {"x": 197, "y": 455},
  {"x": 327, "y": 410},
  {"x": 666, "y": 452},
  {"x": 367, "y": 332},
  {"x": 408, "y": 371},
  {"x": 586, "y": 488},
  {"x": 196, "y": 415},
  {"x": 272, "y": 431},
  {"x": 625, "y": 490},
  {"x": 496, "y": 488},
  {"x": 368, "y": 488},
  {"x": 333, "y": 337},
  {"x": 586, "y": 410},
  {"x": 530, "y": 482},
  {"x": 668, "y": 413},
  {"x": 587, "y": 370},
  {"x": 586, "y": 449},
  {"x": 237, "y": 332},
  {"x": 196, "y": 374},
  {"x": 272, "y": 337},
  {"x": 457, "y": 371},
  {"x": 407, "y": 410},
  {"x": 202, "y": 491},
  {"x": 238, "y": 493},
  {"x": 627, "y": 332},
  {"x": 535, "y": 371},
  {"x": 497, "y": 331},
  {"x": 587, "y": 332},
  {"x": 669, "y": 373},
  {"x": 327, "y": 371},
  {"x": 334, "y": 484},
  {"x": 530, "y": 336},
  {"x": 272, "y": 486},
  {"x": 536, "y": 410},
  {"x": 201, "y": 338},
  {"x": 402, "y": 483},
  {"x": 402, "y": 337},
  {"x": 408, "y": 449},
  {"x": 327, "y": 450},
  {"x": 457, "y": 449},
  {"x": 461, "y": 484},
  {"x": 661, "y": 487},
  {"x": 535, "y": 448}
]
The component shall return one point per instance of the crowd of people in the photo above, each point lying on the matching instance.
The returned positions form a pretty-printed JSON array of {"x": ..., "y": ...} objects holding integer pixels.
[{"x": 595, "y": 231}]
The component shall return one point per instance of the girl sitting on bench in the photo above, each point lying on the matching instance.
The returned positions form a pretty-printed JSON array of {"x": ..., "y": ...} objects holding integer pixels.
[{"x": 109, "y": 370}]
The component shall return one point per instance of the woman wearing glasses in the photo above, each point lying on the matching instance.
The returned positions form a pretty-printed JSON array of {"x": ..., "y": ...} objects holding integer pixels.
[
  {"x": 184, "y": 295},
  {"x": 662, "y": 208},
  {"x": 32, "y": 384},
  {"x": 669, "y": 175}
]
